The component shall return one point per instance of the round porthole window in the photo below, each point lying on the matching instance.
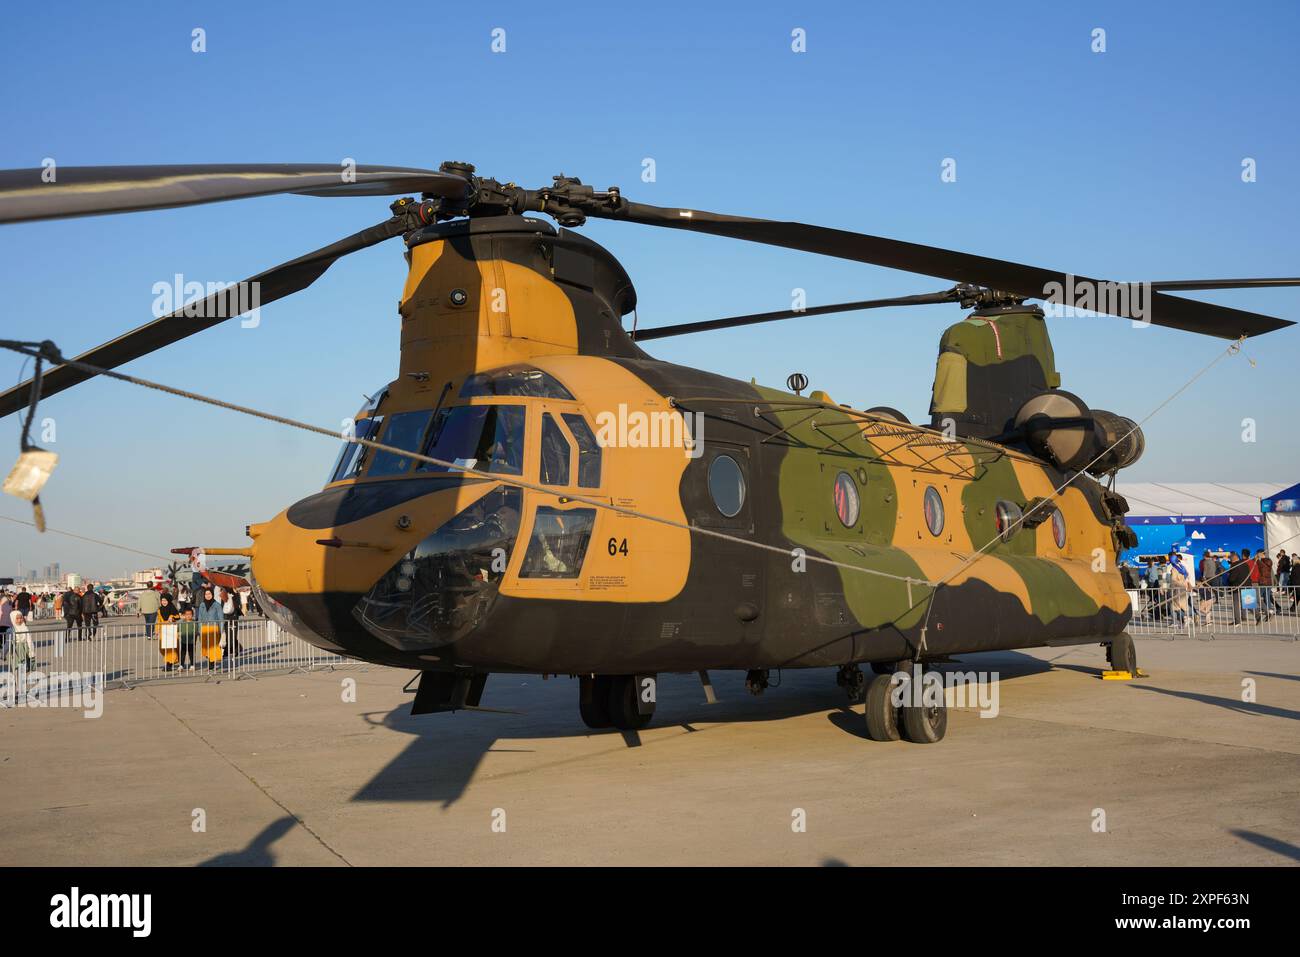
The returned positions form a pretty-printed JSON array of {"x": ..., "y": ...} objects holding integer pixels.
[
  {"x": 1058, "y": 528},
  {"x": 847, "y": 502},
  {"x": 1006, "y": 516},
  {"x": 933, "y": 511},
  {"x": 727, "y": 485}
]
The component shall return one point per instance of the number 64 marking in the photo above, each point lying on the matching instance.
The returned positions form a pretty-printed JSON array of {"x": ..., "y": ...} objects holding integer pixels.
[{"x": 616, "y": 547}]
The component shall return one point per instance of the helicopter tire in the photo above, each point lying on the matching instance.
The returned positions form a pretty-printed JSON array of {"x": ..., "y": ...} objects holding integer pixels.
[
  {"x": 881, "y": 715},
  {"x": 622, "y": 696},
  {"x": 1122, "y": 653},
  {"x": 593, "y": 700},
  {"x": 924, "y": 725}
]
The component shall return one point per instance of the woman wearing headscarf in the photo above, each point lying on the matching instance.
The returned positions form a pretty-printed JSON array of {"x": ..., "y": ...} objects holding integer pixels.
[
  {"x": 210, "y": 616},
  {"x": 168, "y": 614}
]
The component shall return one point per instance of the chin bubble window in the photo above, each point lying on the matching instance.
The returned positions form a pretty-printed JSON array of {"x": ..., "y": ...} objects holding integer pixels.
[
  {"x": 933, "y": 511},
  {"x": 847, "y": 502},
  {"x": 559, "y": 542},
  {"x": 1006, "y": 516},
  {"x": 727, "y": 485},
  {"x": 1058, "y": 528}
]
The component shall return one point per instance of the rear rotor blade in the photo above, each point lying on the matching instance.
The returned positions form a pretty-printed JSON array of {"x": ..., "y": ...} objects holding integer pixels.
[
  {"x": 96, "y": 190},
  {"x": 681, "y": 329},
  {"x": 1031, "y": 282},
  {"x": 273, "y": 284}
]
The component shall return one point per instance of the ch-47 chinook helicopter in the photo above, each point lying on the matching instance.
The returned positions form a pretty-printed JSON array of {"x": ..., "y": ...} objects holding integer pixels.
[{"x": 524, "y": 531}]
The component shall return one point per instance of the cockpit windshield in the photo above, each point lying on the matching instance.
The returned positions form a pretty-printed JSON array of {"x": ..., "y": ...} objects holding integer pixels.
[
  {"x": 353, "y": 457},
  {"x": 485, "y": 437}
]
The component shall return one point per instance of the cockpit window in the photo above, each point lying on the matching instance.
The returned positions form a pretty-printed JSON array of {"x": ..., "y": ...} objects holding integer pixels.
[
  {"x": 405, "y": 431},
  {"x": 353, "y": 457},
  {"x": 559, "y": 542},
  {"x": 514, "y": 380},
  {"x": 588, "y": 450},
  {"x": 555, "y": 453},
  {"x": 485, "y": 437}
]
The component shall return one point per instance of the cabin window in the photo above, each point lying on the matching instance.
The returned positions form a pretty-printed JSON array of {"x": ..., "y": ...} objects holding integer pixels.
[
  {"x": 485, "y": 437},
  {"x": 405, "y": 431},
  {"x": 588, "y": 450},
  {"x": 1006, "y": 517},
  {"x": 847, "y": 502},
  {"x": 1058, "y": 528},
  {"x": 727, "y": 485},
  {"x": 353, "y": 457},
  {"x": 558, "y": 543},
  {"x": 933, "y": 511},
  {"x": 515, "y": 380},
  {"x": 555, "y": 453}
]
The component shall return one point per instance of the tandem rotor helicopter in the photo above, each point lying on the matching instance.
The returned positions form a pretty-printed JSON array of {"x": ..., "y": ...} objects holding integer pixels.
[{"x": 481, "y": 520}]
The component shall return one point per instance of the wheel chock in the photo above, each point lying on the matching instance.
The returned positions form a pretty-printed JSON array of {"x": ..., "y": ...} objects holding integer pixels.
[{"x": 1123, "y": 675}]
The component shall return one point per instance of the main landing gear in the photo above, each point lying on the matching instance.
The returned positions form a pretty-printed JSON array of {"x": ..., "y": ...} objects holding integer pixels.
[
  {"x": 625, "y": 702},
  {"x": 902, "y": 707}
]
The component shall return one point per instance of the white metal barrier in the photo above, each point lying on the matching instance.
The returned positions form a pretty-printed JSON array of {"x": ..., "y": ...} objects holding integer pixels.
[
  {"x": 1255, "y": 611},
  {"x": 127, "y": 653}
]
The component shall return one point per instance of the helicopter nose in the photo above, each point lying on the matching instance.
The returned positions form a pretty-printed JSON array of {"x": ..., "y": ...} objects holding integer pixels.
[{"x": 318, "y": 558}]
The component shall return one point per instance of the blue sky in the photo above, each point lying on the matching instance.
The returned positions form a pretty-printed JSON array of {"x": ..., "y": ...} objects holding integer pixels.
[{"x": 1123, "y": 164}]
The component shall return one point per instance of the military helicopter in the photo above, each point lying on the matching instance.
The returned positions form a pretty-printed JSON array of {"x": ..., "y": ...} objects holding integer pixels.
[{"x": 534, "y": 493}]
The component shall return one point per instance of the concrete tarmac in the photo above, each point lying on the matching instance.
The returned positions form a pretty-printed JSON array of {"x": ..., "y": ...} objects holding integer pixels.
[{"x": 1172, "y": 770}]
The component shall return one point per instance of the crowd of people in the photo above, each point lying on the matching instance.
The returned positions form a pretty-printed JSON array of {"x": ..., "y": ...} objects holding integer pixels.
[
  {"x": 1273, "y": 583},
  {"x": 81, "y": 607}
]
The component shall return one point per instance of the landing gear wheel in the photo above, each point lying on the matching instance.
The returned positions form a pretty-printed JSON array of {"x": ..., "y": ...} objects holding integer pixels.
[
  {"x": 622, "y": 696},
  {"x": 1122, "y": 654},
  {"x": 926, "y": 724},
  {"x": 593, "y": 700},
  {"x": 882, "y": 716}
]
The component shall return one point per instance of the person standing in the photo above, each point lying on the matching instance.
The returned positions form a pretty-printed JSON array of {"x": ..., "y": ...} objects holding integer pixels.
[
  {"x": 148, "y": 604},
  {"x": 1265, "y": 566},
  {"x": 231, "y": 613},
  {"x": 23, "y": 602},
  {"x": 1282, "y": 570},
  {"x": 1238, "y": 578},
  {"x": 72, "y": 612},
  {"x": 208, "y": 614},
  {"x": 90, "y": 609},
  {"x": 22, "y": 654},
  {"x": 6, "y": 623},
  {"x": 1180, "y": 589}
]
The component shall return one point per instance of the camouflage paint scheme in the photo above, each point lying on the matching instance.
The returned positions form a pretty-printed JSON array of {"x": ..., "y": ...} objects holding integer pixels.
[
  {"x": 988, "y": 365},
  {"x": 678, "y": 601}
]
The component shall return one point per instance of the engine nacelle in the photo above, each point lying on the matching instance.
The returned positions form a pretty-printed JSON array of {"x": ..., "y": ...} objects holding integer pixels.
[{"x": 1059, "y": 427}]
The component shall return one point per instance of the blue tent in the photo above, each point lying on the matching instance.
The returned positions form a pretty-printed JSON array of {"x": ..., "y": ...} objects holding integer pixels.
[{"x": 1287, "y": 500}]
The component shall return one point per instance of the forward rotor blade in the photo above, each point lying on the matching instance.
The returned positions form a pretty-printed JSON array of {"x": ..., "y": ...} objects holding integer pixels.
[
  {"x": 96, "y": 190},
  {"x": 266, "y": 287},
  {"x": 1223, "y": 283},
  {"x": 1031, "y": 282},
  {"x": 681, "y": 329}
]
